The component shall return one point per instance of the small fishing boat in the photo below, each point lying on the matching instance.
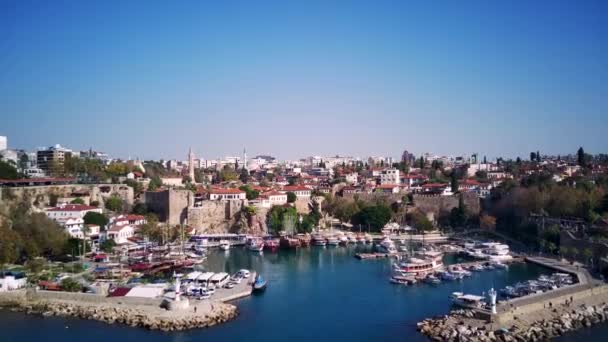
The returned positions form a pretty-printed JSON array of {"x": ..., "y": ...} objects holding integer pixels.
[
  {"x": 477, "y": 268},
  {"x": 224, "y": 245},
  {"x": 431, "y": 279},
  {"x": 271, "y": 244},
  {"x": 260, "y": 284},
  {"x": 255, "y": 244},
  {"x": 447, "y": 276},
  {"x": 332, "y": 241}
]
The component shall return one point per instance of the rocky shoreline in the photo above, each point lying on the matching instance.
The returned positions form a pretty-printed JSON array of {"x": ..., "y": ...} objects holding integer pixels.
[
  {"x": 131, "y": 316},
  {"x": 452, "y": 327}
]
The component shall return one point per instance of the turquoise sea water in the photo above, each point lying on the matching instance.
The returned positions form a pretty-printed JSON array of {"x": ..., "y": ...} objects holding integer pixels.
[{"x": 314, "y": 294}]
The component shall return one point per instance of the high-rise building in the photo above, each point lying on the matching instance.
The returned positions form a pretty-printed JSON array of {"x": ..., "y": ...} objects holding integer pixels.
[
  {"x": 408, "y": 158},
  {"x": 51, "y": 160},
  {"x": 3, "y": 143}
]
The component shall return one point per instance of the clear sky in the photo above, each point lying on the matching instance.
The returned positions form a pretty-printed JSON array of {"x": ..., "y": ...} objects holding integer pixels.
[{"x": 149, "y": 79}]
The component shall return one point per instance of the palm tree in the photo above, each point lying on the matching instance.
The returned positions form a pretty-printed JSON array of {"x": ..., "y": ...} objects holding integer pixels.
[
  {"x": 588, "y": 254},
  {"x": 564, "y": 251},
  {"x": 574, "y": 253}
]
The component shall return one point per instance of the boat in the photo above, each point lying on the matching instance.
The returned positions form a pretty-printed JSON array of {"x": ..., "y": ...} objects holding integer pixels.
[
  {"x": 416, "y": 266},
  {"x": 386, "y": 246},
  {"x": 224, "y": 245},
  {"x": 396, "y": 279},
  {"x": 288, "y": 242},
  {"x": 332, "y": 241},
  {"x": 447, "y": 276},
  {"x": 476, "y": 268},
  {"x": 260, "y": 284},
  {"x": 469, "y": 301},
  {"x": 318, "y": 240},
  {"x": 431, "y": 279},
  {"x": 304, "y": 239},
  {"x": 255, "y": 244},
  {"x": 271, "y": 244},
  {"x": 499, "y": 265}
]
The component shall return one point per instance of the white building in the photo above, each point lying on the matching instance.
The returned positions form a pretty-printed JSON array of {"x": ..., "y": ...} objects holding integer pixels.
[
  {"x": 74, "y": 227},
  {"x": 389, "y": 176},
  {"x": 120, "y": 234},
  {"x": 3, "y": 143},
  {"x": 10, "y": 280},
  {"x": 70, "y": 211},
  {"x": 275, "y": 197},
  {"x": 172, "y": 181},
  {"x": 302, "y": 192},
  {"x": 227, "y": 194},
  {"x": 352, "y": 178}
]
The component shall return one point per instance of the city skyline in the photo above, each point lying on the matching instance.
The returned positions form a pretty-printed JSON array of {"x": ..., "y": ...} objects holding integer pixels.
[{"x": 292, "y": 80}]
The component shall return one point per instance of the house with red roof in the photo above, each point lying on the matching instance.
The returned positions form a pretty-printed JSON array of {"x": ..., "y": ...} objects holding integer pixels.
[
  {"x": 302, "y": 192},
  {"x": 64, "y": 212},
  {"x": 388, "y": 188},
  {"x": 226, "y": 194}
]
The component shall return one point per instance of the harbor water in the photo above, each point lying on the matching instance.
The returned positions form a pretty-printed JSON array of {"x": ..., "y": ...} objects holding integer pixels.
[{"x": 317, "y": 293}]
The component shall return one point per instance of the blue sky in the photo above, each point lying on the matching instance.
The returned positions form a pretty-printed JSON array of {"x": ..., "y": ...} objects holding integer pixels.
[{"x": 149, "y": 79}]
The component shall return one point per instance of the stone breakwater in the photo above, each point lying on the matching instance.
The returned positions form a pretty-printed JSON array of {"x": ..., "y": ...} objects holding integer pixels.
[
  {"x": 149, "y": 318},
  {"x": 454, "y": 327}
]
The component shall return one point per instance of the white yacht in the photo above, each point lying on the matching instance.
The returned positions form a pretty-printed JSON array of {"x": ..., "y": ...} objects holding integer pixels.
[
  {"x": 386, "y": 246},
  {"x": 332, "y": 241}
]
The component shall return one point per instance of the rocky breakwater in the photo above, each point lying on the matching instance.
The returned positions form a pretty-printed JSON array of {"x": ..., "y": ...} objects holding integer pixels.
[
  {"x": 149, "y": 318},
  {"x": 457, "y": 325}
]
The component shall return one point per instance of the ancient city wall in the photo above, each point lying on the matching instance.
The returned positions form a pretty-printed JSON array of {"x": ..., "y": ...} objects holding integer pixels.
[
  {"x": 441, "y": 205},
  {"x": 40, "y": 196},
  {"x": 171, "y": 206}
]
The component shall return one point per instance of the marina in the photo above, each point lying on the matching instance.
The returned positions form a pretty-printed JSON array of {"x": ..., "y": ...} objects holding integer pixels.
[{"x": 309, "y": 279}]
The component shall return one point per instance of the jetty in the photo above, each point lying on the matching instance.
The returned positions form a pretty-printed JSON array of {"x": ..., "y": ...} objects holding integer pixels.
[
  {"x": 368, "y": 256},
  {"x": 149, "y": 313},
  {"x": 533, "y": 317}
]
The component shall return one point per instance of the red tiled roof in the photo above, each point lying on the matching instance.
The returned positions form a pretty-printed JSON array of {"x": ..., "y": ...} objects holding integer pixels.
[
  {"x": 296, "y": 188},
  {"x": 222, "y": 191},
  {"x": 434, "y": 185},
  {"x": 387, "y": 186},
  {"x": 73, "y": 207},
  {"x": 37, "y": 180}
]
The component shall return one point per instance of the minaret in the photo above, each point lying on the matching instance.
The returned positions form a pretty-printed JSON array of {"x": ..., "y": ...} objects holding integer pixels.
[
  {"x": 245, "y": 159},
  {"x": 191, "y": 165}
]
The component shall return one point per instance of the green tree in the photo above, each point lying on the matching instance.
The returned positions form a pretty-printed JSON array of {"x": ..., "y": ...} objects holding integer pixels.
[
  {"x": 107, "y": 246},
  {"x": 155, "y": 183},
  {"x": 35, "y": 265},
  {"x": 10, "y": 243},
  {"x": 454, "y": 181},
  {"x": 532, "y": 156},
  {"x": 140, "y": 208},
  {"x": 114, "y": 203},
  {"x": 96, "y": 218},
  {"x": 587, "y": 254},
  {"x": 581, "y": 157},
  {"x": 138, "y": 188},
  {"x": 376, "y": 216},
  {"x": 77, "y": 200},
  {"x": 291, "y": 197},
  {"x": 420, "y": 222},
  {"x": 8, "y": 171},
  {"x": 70, "y": 285},
  {"x": 249, "y": 192}
]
